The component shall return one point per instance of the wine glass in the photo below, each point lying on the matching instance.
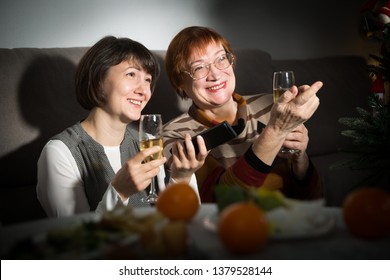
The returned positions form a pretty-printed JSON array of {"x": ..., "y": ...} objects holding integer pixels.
[
  {"x": 283, "y": 81},
  {"x": 150, "y": 134}
]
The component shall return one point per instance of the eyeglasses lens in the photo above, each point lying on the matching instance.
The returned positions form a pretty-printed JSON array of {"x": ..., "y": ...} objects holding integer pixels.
[{"x": 200, "y": 71}]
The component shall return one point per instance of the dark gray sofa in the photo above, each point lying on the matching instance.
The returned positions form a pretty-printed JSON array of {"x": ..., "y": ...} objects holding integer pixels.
[{"x": 37, "y": 101}]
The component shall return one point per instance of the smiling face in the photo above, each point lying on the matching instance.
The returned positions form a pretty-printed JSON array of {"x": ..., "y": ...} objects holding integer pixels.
[
  {"x": 128, "y": 89},
  {"x": 216, "y": 89}
]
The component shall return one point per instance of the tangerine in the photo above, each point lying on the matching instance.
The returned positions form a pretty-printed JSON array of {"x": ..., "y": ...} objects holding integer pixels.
[
  {"x": 273, "y": 181},
  {"x": 178, "y": 202},
  {"x": 366, "y": 212},
  {"x": 243, "y": 228}
]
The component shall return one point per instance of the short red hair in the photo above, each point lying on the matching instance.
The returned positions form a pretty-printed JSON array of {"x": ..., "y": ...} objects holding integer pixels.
[{"x": 187, "y": 41}]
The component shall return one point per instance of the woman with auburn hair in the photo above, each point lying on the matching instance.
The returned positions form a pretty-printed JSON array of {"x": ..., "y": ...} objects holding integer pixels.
[{"x": 199, "y": 63}]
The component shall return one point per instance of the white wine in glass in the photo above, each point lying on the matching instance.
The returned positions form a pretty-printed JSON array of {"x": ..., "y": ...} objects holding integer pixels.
[
  {"x": 145, "y": 144},
  {"x": 150, "y": 134},
  {"x": 283, "y": 81}
]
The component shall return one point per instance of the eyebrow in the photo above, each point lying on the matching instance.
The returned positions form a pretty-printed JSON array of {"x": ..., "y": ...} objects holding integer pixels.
[
  {"x": 202, "y": 61},
  {"x": 135, "y": 65},
  {"x": 139, "y": 68}
]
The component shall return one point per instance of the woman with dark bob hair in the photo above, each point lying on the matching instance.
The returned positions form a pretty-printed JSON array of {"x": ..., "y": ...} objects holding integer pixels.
[{"x": 97, "y": 162}]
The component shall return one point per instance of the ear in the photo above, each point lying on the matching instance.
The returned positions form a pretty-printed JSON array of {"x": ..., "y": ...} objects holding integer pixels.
[
  {"x": 182, "y": 93},
  {"x": 180, "y": 88}
]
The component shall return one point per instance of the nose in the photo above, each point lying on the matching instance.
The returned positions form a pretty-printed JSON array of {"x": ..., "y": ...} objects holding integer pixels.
[
  {"x": 214, "y": 72},
  {"x": 143, "y": 88}
]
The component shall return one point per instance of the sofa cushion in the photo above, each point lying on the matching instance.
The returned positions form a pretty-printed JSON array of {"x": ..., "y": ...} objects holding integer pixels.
[{"x": 253, "y": 71}]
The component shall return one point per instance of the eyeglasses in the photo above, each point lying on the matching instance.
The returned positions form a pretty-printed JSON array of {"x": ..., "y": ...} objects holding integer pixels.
[{"x": 199, "y": 71}]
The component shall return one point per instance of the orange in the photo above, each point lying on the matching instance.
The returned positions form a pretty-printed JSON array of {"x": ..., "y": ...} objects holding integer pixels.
[
  {"x": 366, "y": 212},
  {"x": 272, "y": 182},
  {"x": 243, "y": 228},
  {"x": 178, "y": 202}
]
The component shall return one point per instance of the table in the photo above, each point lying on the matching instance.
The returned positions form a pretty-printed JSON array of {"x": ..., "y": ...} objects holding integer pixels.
[{"x": 334, "y": 245}]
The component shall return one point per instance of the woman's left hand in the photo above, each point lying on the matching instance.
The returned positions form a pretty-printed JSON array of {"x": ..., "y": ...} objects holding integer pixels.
[{"x": 298, "y": 139}]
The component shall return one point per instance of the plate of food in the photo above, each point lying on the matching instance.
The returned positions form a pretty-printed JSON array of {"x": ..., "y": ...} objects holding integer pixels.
[
  {"x": 298, "y": 219},
  {"x": 124, "y": 232}
]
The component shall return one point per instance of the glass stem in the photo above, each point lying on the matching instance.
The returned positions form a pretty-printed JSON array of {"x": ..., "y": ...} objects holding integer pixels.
[{"x": 152, "y": 190}]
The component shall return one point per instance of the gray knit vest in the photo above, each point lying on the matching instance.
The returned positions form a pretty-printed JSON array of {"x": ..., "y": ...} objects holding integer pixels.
[{"x": 94, "y": 166}]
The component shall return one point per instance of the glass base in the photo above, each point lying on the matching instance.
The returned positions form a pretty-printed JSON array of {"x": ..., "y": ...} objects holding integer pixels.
[
  {"x": 288, "y": 150},
  {"x": 151, "y": 198}
]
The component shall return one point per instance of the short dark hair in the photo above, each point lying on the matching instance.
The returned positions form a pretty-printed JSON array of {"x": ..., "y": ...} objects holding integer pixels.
[{"x": 106, "y": 53}]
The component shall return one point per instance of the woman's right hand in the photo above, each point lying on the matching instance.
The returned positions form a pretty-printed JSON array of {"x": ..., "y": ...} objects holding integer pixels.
[
  {"x": 290, "y": 111},
  {"x": 184, "y": 162},
  {"x": 135, "y": 175}
]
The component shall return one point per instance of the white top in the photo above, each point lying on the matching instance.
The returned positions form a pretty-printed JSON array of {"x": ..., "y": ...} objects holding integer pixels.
[{"x": 60, "y": 189}]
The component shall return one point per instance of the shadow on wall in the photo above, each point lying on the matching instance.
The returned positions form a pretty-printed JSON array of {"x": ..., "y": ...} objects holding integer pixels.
[{"x": 47, "y": 103}]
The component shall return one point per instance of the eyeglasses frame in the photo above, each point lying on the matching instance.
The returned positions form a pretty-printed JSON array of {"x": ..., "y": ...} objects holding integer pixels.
[{"x": 229, "y": 56}]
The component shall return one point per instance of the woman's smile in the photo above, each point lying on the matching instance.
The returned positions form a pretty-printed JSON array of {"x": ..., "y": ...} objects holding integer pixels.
[
  {"x": 135, "y": 102},
  {"x": 217, "y": 87}
]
